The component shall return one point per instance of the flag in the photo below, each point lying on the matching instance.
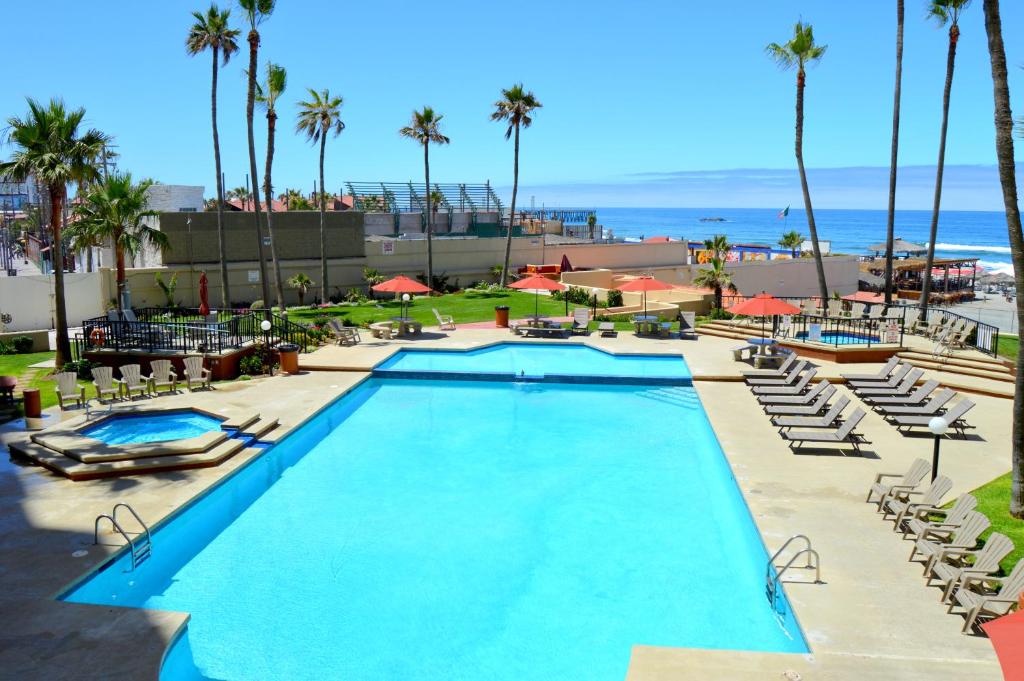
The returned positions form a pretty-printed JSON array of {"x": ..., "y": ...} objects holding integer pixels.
[{"x": 784, "y": 212}]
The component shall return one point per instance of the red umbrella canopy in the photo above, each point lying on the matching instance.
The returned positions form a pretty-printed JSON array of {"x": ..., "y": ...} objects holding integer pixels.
[
  {"x": 401, "y": 284},
  {"x": 645, "y": 284},
  {"x": 763, "y": 305},
  {"x": 204, "y": 295},
  {"x": 1007, "y": 636},
  {"x": 865, "y": 297},
  {"x": 538, "y": 283}
]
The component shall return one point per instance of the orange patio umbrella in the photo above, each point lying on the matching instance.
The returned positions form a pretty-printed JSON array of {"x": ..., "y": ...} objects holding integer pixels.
[
  {"x": 537, "y": 283},
  {"x": 865, "y": 297},
  {"x": 401, "y": 284},
  {"x": 645, "y": 284},
  {"x": 1007, "y": 636},
  {"x": 763, "y": 305}
]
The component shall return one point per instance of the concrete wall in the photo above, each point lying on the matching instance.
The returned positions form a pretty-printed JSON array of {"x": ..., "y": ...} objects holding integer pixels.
[
  {"x": 30, "y": 299},
  {"x": 40, "y": 338},
  {"x": 792, "y": 277},
  {"x": 383, "y": 224}
]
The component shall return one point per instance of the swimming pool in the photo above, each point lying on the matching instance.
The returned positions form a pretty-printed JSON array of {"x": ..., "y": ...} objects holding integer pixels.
[
  {"x": 152, "y": 427},
  {"x": 426, "y": 530},
  {"x": 839, "y": 338}
]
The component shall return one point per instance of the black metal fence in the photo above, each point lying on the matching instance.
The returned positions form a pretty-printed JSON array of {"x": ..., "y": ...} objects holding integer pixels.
[
  {"x": 844, "y": 331},
  {"x": 985, "y": 337}
]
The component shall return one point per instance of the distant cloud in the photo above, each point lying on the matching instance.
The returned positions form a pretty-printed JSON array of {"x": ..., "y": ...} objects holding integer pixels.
[{"x": 965, "y": 187}]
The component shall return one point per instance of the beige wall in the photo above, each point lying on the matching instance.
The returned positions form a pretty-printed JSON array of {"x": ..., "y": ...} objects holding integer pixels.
[
  {"x": 796, "y": 278},
  {"x": 40, "y": 339},
  {"x": 30, "y": 299}
]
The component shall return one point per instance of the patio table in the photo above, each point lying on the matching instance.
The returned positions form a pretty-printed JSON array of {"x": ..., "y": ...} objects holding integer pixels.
[{"x": 763, "y": 344}]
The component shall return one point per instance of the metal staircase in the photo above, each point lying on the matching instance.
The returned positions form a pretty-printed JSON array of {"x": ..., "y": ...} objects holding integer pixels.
[
  {"x": 140, "y": 546},
  {"x": 773, "y": 574}
]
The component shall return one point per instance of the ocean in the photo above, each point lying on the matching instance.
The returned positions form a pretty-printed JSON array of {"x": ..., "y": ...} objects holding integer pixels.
[{"x": 962, "y": 234}]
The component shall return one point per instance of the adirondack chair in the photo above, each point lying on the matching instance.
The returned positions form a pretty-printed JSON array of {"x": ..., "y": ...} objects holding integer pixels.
[
  {"x": 196, "y": 373},
  {"x": 446, "y": 322},
  {"x": 882, "y": 491},
  {"x": 965, "y": 538},
  {"x": 103, "y": 381},
  {"x": 162, "y": 375},
  {"x": 68, "y": 389},
  {"x": 133, "y": 381},
  {"x": 987, "y": 596},
  {"x": 952, "y": 565}
]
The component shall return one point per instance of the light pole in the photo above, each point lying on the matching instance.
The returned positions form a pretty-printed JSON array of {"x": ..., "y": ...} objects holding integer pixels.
[
  {"x": 405, "y": 303},
  {"x": 265, "y": 325},
  {"x": 938, "y": 426}
]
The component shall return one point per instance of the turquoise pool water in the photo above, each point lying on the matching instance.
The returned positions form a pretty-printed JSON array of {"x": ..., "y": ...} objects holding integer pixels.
[
  {"x": 129, "y": 429},
  {"x": 837, "y": 338},
  {"x": 431, "y": 530},
  {"x": 539, "y": 359}
]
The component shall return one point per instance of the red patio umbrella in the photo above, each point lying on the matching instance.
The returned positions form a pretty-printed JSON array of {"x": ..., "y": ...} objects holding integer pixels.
[
  {"x": 645, "y": 284},
  {"x": 1007, "y": 636},
  {"x": 763, "y": 305},
  {"x": 537, "y": 284},
  {"x": 401, "y": 284},
  {"x": 204, "y": 295}
]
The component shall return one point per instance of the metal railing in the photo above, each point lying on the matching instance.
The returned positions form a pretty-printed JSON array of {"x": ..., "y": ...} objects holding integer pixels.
[
  {"x": 141, "y": 546},
  {"x": 843, "y": 331},
  {"x": 985, "y": 337},
  {"x": 773, "y": 575}
]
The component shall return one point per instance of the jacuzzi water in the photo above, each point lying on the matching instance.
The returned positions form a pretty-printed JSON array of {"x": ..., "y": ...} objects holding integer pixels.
[
  {"x": 839, "y": 338},
  {"x": 153, "y": 427}
]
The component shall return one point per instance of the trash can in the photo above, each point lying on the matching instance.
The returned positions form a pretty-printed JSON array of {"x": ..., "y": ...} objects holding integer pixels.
[
  {"x": 33, "y": 409},
  {"x": 289, "y": 357},
  {"x": 501, "y": 316}
]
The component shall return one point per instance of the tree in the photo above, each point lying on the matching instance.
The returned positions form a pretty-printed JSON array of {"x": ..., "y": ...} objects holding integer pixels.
[
  {"x": 793, "y": 240},
  {"x": 301, "y": 283},
  {"x": 318, "y": 117},
  {"x": 425, "y": 127},
  {"x": 116, "y": 209},
  {"x": 294, "y": 200},
  {"x": 1007, "y": 178},
  {"x": 715, "y": 277},
  {"x": 800, "y": 51},
  {"x": 944, "y": 12},
  {"x": 515, "y": 106},
  {"x": 50, "y": 145},
  {"x": 211, "y": 32},
  {"x": 240, "y": 194},
  {"x": 256, "y": 12},
  {"x": 267, "y": 95},
  {"x": 890, "y": 224}
]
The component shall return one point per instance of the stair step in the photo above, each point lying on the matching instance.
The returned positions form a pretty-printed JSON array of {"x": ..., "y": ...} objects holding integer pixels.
[
  {"x": 946, "y": 368},
  {"x": 260, "y": 428},
  {"x": 241, "y": 422},
  {"x": 992, "y": 365}
]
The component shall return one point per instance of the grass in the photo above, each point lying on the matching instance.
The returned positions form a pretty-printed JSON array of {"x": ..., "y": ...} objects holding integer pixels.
[
  {"x": 994, "y": 502},
  {"x": 17, "y": 365},
  {"x": 1008, "y": 346}
]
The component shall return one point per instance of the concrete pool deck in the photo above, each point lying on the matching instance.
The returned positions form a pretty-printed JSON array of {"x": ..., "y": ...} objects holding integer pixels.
[{"x": 872, "y": 618}]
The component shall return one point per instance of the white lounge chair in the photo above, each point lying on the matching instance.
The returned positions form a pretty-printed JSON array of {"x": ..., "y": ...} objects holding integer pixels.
[
  {"x": 162, "y": 375},
  {"x": 798, "y": 400},
  {"x": 914, "y": 399},
  {"x": 815, "y": 408},
  {"x": 845, "y": 434},
  {"x": 891, "y": 382},
  {"x": 68, "y": 389},
  {"x": 132, "y": 380},
  {"x": 903, "y": 389},
  {"x": 934, "y": 406},
  {"x": 196, "y": 373},
  {"x": 103, "y": 381},
  {"x": 795, "y": 389},
  {"x": 987, "y": 596},
  {"x": 830, "y": 419},
  {"x": 954, "y": 417},
  {"x": 882, "y": 375},
  {"x": 788, "y": 378},
  {"x": 446, "y": 322},
  {"x": 580, "y": 320}
]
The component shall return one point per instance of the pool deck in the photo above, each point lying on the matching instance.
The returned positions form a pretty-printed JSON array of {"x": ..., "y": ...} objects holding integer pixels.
[{"x": 873, "y": 618}]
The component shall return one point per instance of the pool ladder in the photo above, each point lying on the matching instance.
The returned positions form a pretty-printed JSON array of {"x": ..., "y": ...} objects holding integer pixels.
[
  {"x": 773, "y": 575},
  {"x": 140, "y": 546}
]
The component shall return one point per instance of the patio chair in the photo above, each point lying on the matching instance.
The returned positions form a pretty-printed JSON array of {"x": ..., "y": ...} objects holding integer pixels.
[
  {"x": 912, "y": 478},
  {"x": 445, "y": 321},
  {"x": 782, "y": 370},
  {"x": 787, "y": 378},
  {"x": 580, "y": 321},
  {"x": 344, "y": 335},
  {"x": 927, "y": 327},
  {"x": 845, "y": 434},
  {"x": 797, "y": 388},
  {"x": 858, "y": 310},
  {"x": 902, "y": 390},
  {"x": 785, "y": 329},
  {"x": 103, "y": 381},
  {"x": 918, "y": 522},
  {"x": 688, "y": 324},
  {"x": 831, "y": 418},
  {"x": 954, "y": 417},
  {"x": 822, "y": 388},
  {"x": 898, "y": 507},
  {"x": 68, "y": 389},
  {"x": 162, "y": 375},
  {"x": 815, "y": 408},
  {"x": 809, "y": 308},
  {"x": 882, "y": 375},
  {"x": 835, "y": 309},
  {"x": 132, "y": 380},
  {"x": 891, "y": 382},
  {"x": 965, "y": 537},
  {"x": 914, "y": 399},
  {"x": 607, "y": 329},
  {"x": 953, "y": 565},
  {"x": 934, "y": 406},
  {"x": 196, "y": 373},
  {"x": 985, "y": 596}
]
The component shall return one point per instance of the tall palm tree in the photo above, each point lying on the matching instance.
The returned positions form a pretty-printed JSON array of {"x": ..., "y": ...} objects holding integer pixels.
[
  {"x": 242, "y": 194},
  {"x": 317, "y": 117},
  {"x": 267, "y": 95},
  {"x": 211, "y": 32},
  {"x": 1007, "y": 177},
  {"x": 890, "y": 224},
  {"x": 944, "y": 12},
  {"x": 50, "y": 145},
  {"x": 116, "y": 209},
  {"x": 515, "y": 106},
  {"x": 425, "y": 127},
  {"x": 256, "y": 12},
  {"x": 798, "y": 52}
]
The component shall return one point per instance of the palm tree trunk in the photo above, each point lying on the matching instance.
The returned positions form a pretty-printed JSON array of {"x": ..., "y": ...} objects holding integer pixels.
[
  {"x": 250, "y": 103},
  {"x": 926, "y": 287},
  {"x": 267, "y": 192},
  {"x": 225, "y": 296},
  {"x": 1007, "y": 177},
  {"x": 323, "y": 220},
  {"x": 88, "y": 258},
  {"x": 512, "y": 213},
  {"x": 811, "y": 227},
  {"x": 122, "y": 282},
  {"x": 891, "y": 223},
  {"x": 430, "y": 246},
  {"x": 57, "y": 195}
]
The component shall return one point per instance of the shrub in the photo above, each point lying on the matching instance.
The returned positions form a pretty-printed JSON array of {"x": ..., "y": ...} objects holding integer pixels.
[
  {"x": 574, "y": 294},
  {"x": 719, "y": 313},
  {"x": 82, "y": 367},
  {"x": 22, "y": 344},
  {"x": 251, "y": 365},
  {"x": 6, "y": 348},
  {"x": 614, "y": 298},
  {"x": 354, "y": 295}
]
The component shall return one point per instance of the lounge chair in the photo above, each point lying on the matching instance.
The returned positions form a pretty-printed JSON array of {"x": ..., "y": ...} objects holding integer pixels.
[
  {"x": 445, "y": 321},
  {"x": 858, "y": 310},
  {"x": 898, "y": 505},
  {"x": 831, "y": 418},
  {"x": 954, "y": 417},
  {"x": 196, "y": 373},
  {"x": 843, "y": 435},
  {"x": 580, "y": 321},
  {"x": 344, "y": 335},
  {"x": 103, "y": 381},
  {"x": 914, "y": 399},
  {"x": 543, "y": 331},
  {"x": 882, "y": 375},
  {"x": 964, "y": 537},
  {"x": 902, "y": 390},
  {"x": 798, "y": 400},
  {"x": 919, "y": 523},
  {"x": 882, "y": 491},
  {"x": 68, "y": 389},
  {"x": 797, "y": 388},
  {"x": 783, "y": 369},
  {"x": 934, "y": 406},
  {"x": 788, "y": 378},
  {"x": 813, "y": 409},
  {"x": 688, "y": 324},
  {"x": 891, "y": 382},
  {"x": 132, "y": 380},
  {"x": 162, "y": 375},
  {"x": 952, "y": 566},
  {"x": 926, "y": 327},
  {"x": 607, "y": 329},
  {"x": 835, "y": 308},
  {"x": 987, "y": 596}
]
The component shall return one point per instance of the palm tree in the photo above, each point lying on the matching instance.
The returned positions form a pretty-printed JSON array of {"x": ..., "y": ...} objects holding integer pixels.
[
  {"x": 793, "y": 240},
  {"x": 515, "y": 106},
  {"x": 1007, "y": 177},
  {"x": 944, "y": 12},
  {"x": 116, "y": 209},
  {"x": 50, "y": 146},
  {"x": 301, "y": 283},
  {"x": 318, "y": 117},
  {"x": 890, "y": 224},
  {"x": 241, "y": 194},
  {"x": 718, "y": 246},
  {"x": 800, "y": 51},
  {"x": 425, "y": 127},
  {"x": 715, "y": 277},
  {"x": 256, "y": 12},
  {"x": 211, "y": 32},
  {"x": 267, "y": 95}
]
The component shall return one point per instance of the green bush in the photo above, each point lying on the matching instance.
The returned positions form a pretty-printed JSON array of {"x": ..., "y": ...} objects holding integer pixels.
[
  {"x": 6, "y": 348},
  {"x": 719, "y": 313},
  {"x": 82, "y": 367},
  {"x": 22, "y": 344},
  {"x": 614, "y": 298},
  {"x": 251, "y": 365},
  {"x": 574, "y": 294}
]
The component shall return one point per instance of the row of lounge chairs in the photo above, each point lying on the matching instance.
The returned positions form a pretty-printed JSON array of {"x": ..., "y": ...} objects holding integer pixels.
[
  {"x": 132, "y": 381},
  {"x": 894, "y": 394},
  {"x": 946, "y": 542}
]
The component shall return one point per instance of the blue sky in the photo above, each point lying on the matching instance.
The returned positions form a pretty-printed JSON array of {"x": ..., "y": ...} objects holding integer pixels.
[{"x": 641, "y": 101}]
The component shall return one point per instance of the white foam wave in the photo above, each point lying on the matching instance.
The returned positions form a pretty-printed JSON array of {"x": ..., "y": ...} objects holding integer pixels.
[
  {"x": 996, "y": 267},
  {"x": 968, "y": 247}
]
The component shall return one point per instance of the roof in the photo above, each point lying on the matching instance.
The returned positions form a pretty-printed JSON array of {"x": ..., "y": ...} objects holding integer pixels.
[
  {"x": 915, "y": 264},
  {"x": 899, "y": 246},
  {"x": 657, "y": 240}
]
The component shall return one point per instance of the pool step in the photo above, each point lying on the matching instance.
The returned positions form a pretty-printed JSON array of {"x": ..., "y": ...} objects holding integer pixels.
[
  {"x": 259, "y": 428},
  {"x": 957, "y": 361},
  {"x": 925, "y": 361}
]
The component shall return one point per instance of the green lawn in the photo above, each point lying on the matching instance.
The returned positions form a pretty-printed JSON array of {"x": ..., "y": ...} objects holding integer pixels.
[
  {"x": 1008, "y": 346},
  {"x": 16, "y": 365},
  {"x": 994, "y": 501}
]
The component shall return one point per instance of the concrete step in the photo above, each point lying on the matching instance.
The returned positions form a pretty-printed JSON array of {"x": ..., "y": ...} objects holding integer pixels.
[
  {"x": 992, "y": 365},
  {"x": 260, "y": 427},
  {"x": 962, "y": 371},
  {"x": 241, "y": 421}
]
